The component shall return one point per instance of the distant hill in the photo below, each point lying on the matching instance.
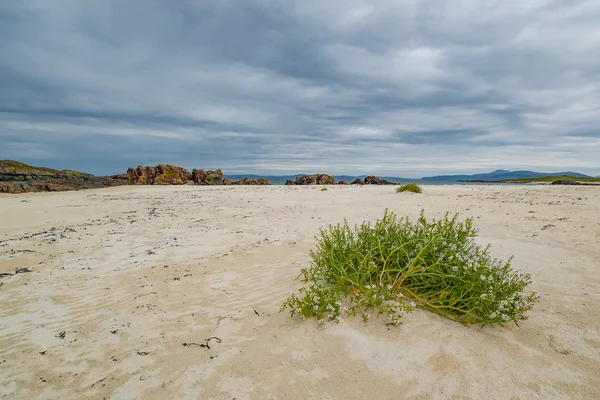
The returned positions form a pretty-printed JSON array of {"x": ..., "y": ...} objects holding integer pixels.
[
  {"x": 17, "y": 177},
  {"x": 500, "y": 175}
]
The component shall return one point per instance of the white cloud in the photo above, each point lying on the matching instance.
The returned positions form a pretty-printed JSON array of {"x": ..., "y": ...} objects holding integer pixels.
[{"x": 402, "y": 87}]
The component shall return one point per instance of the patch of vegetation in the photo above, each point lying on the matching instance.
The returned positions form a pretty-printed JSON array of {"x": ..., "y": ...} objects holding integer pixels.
[
  {"x": 323, "y": 189},
  {"x": 395, "y": 265},
  {"x": 551, "y": 179},
  {"x": 409, "y": 187}
]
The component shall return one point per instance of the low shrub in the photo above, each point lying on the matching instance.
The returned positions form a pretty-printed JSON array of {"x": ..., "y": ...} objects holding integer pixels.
[
  {"x": 395, "y": 265},
  {"x": 323, "y": 189},
  {"x": 409, "y": 187}
]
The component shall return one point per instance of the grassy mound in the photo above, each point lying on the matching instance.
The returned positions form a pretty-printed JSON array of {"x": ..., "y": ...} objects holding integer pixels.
[
  {"x": 395, "y": 265},
  {"x": 409, "y": 187}
]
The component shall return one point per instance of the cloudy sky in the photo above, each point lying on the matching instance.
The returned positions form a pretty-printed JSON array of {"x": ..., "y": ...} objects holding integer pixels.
[{"x": 405, "y": 88}]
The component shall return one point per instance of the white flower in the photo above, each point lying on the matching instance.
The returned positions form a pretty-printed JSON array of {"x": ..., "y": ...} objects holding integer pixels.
[
  {"x": 320, "y": 321},
  {"x": 400, "y": 295},
  {"x": 482, "y": 277},
  {"x": 412, "y": 304},
  {"x": 389, "y": 287}
]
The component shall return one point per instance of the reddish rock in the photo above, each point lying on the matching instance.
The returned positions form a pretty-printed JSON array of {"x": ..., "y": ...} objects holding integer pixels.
[
  {"x": 248, "y": 181},
  {"x": 162, "y": 174},
  {"x": 371, "y": 180},
  {"x": 202, "y": 177},
  {"x": 316, "y": 179},
  {"x": 358, "y": 182}
]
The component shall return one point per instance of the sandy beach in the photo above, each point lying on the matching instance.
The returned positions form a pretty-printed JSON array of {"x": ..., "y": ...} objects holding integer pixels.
[{"x": 122, "y": 277}]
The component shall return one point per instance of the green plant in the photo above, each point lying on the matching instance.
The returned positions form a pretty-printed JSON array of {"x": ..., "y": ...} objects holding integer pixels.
[
  {"x": 323, "y": 189},
  {"x": 409, "y": 187},
  {"x": 395, "y": 265}
]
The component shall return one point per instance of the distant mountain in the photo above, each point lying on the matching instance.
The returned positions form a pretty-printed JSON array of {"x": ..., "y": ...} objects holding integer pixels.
[{"x": 500, "y": 175}]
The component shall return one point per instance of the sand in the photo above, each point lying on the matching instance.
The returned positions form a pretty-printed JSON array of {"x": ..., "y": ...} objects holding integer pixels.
[{"x": 129, "y": 274}]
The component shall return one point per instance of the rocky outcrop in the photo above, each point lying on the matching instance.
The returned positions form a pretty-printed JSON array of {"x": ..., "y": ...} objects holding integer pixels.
[
  {"x": 570, "y": 182},
  {"x": 17, "y": 177},
  {"x": 358, "y": 182},
  {"x": 371, "y": 180},
  {"x": 248, "y": 181},
  {"x": 17, "y": 171},
  {"x": 202, "y": 177},
  {"x": 316, "y": 179},
  {"x": 342, "y": 183},
  {"x": 162, "y": 174},
  {"x": 565, "y": 182},
  {"x": 172, "y": 175},
  {"x": 374, "y": 180}
]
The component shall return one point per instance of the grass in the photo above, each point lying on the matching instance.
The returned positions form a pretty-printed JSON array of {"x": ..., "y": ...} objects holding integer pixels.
[
  {"x": 551, "y": 178},
  {"x": 395, "y": 265},
  {"x": 409, "y": 187},
  {"x": 323, "y": 189}
]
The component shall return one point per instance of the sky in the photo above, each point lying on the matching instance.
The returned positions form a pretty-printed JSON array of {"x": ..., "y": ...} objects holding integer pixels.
[{"x": 401, "y": 88}]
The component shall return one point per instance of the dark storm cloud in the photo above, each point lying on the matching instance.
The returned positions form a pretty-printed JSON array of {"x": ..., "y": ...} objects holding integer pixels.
[{"x": 268, "y": 86}]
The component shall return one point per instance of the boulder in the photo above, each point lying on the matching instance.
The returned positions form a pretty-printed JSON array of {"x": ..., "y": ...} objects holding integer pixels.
[
  {"x": 198, "y": 176},
  {"x": 162, "y": 174},
  {"x": 342, "y": 183},
  {"x": 374, "y": 180},
  {"x": 202, "y": 177},
  {"x": 227, "y": 181},
  {"x": 371, "y": 180},
  {"x": 358, "y": 182}
]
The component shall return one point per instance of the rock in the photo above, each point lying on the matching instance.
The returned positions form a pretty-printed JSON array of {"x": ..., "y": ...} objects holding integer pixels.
[
  {"x": 371, "y": 180},
  {"x": 17, "y": 177},
  {"x": 342, "y": 183},
  {"x": 162, "y": 174},
  {"x": 263, "y": 181},
  {"x": 198, "y": 176},
  {"x": 565, "y": 182},
  {"x": 172, "y": 175},
  {"x": 137, "y": 176},
  {"x": 358, "y": 182},
  {"x": 316, "y": 179},
  {"x": 202, "y": 177},
  {"x": 374, "y": 180},
  {"x": 118, "y": 177},
  {"x": 247, "y": 181}
]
